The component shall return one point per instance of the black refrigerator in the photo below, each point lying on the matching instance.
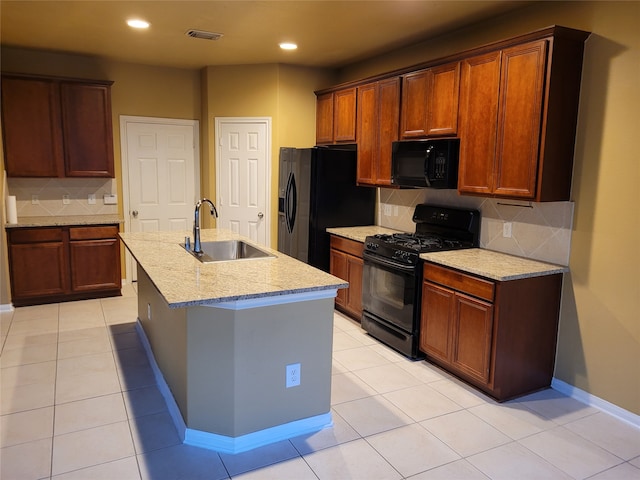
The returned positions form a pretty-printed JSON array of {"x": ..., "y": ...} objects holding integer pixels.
[{"x": 317, "y": 190}]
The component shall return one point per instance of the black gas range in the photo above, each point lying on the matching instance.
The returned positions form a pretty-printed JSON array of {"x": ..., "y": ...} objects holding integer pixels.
[{"x": 392, "y": 274}]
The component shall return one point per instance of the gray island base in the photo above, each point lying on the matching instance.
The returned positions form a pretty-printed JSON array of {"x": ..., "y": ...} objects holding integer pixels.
[{"x": 222, "y": 363}]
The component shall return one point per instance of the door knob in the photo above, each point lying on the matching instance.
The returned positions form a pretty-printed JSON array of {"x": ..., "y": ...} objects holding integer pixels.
[
  {"x": 135, "y": 214},
  {"x": 260, "y": 214}
]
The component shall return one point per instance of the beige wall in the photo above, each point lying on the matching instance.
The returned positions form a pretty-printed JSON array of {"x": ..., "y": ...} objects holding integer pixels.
[{"x": 599, "y": 338}]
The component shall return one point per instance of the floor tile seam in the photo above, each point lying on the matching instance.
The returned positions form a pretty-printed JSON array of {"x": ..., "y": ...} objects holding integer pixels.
[
  {"x": 86, "y": 429},
  {"x": 382, "y": 456},
  {"x": 557, "y": 467},
  {"x": 385, "y": 392},
  {"x": 591, "y": 442}
]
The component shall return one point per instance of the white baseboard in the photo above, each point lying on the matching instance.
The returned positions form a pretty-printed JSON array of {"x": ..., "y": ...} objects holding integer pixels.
[
  {"x": 596, "y": 402},
  {"x": 6, "y": 307}
]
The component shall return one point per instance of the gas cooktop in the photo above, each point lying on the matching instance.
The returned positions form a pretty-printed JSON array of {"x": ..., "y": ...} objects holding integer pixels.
[{"x": 437, "y": 229}]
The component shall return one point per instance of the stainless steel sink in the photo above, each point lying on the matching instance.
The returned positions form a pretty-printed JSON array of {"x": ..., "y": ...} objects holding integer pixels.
[{"x": 224, "y": 251}]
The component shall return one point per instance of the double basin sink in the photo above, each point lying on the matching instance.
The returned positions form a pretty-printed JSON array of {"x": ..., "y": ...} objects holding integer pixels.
[{"x": 227, "y": 250}]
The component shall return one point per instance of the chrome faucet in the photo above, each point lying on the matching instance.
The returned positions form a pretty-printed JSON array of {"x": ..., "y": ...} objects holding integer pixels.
[{"x": 196, "y": 223}]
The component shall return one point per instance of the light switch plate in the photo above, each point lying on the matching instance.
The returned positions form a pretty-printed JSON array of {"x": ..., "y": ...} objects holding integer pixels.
[
  {"x": 110, "y": 199},
  {"x": 91, "y": 199}
]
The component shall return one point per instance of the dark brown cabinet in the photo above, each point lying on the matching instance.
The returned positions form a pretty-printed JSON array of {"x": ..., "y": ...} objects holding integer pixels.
[
  {"x": 498, "y": 336},
  {"x": 346, "y": 263},
  {"x": 93, "y": 252},
  {"x": 517, "y": 119},
  {"x": 56, "y": 128},
  {"x": 38, "y": 263},
  {"x": 378, "y": 117},
  {"x": 430, "y": 102},
  {"x": 336, "y": 116},
  {"x": 53, "y": 264}
]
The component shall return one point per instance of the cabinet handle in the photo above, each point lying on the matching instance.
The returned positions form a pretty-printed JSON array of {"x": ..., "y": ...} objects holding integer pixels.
[{"x": 135, "y": 214}]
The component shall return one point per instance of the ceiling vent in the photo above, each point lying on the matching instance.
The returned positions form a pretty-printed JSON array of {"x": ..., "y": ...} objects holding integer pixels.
[{"x": 203, "y": 35}]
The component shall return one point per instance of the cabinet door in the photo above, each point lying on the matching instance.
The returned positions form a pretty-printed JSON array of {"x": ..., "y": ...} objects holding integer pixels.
[
  {"x": 415, "y": 98},
  {"x": 355, "y": 266},
  {"x": 367, "y": 133},
  {"x": 377, "y": 128},
  {"x": 31, "y": 125},
  {"x": 88, "y": 136},
  {"x": 38, "y": 269},
  {"x": 388, "y": 125},
  {"x": 435, "y": 322},
  {"x": 519, "y": 119},
  {"x": 338, "y": 267},
  {"x": 444, "y": 94},
  {"x": 95, "y": 265},
  {"x": 477, "y": 123},
  {"x": 324, "y": 118},
  {"x": 471, "y": 336},
  {"x": 344, "y": 115}
]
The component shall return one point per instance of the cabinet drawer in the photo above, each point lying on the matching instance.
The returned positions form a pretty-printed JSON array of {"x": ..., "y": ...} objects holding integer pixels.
[
  {"x": 348, "y": 246},
  {"x": 36, "y": 235},
  {"x": 89, "y": 233},
  {"x": 459, "y": 281}
]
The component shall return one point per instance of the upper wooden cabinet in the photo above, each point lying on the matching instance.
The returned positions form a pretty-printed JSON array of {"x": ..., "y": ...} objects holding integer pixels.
[
  {"x": 377, "y": 127},
  {"x": 430, "y": 102},
  {"x": 518, "y": 115},
  {"x": 336, "y": 117},
  {"x": 56, "y": 127}
]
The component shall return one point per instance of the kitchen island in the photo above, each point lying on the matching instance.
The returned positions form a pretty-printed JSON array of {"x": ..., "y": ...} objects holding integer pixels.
[{"x": 231, "y": 339}]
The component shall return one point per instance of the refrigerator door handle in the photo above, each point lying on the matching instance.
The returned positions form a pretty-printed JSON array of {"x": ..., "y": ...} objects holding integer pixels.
[
  {"x": 287, "y": 204},
  {"x": 294, "y": 191}
]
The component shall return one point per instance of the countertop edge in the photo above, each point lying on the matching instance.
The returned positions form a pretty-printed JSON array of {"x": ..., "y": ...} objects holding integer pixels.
[
  {"x": 65, "y": 221},
  {"x": 526, "y": 267}
]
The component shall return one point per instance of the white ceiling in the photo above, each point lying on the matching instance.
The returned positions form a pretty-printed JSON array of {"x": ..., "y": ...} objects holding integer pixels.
[{"x": 329, "y": 33}]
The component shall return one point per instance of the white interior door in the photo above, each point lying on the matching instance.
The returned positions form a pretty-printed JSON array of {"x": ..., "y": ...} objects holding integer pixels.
[
  {"x": 161, "y": 174},
  {"x": 243, "y": 173}
]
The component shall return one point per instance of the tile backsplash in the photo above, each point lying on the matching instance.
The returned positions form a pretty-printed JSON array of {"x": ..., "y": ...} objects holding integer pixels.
[
  {"x": 541, "y": 231},
  {"x": 50, "y": 192}
]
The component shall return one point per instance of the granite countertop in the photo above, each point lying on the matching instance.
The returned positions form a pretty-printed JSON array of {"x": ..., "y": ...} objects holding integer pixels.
[
  {"x": 493, "y": 265},
  {"x": 184, "y": 281},
  {"x": 359, "y": 234},
  {"x": 65, "y": 220}
]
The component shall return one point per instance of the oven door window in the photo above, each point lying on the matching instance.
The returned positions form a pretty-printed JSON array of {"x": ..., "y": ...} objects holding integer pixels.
[{"x": 389, "y": 293}]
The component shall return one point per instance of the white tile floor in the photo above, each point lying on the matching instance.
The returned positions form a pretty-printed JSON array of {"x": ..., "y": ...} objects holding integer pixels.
[{"x": 78, "y": 401}]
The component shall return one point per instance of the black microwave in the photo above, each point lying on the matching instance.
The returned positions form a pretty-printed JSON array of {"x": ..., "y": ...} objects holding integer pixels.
[{"x": 425, "y": 163}]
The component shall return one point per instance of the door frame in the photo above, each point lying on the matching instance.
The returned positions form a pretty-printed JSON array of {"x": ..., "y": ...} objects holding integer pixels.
[
  {"x": 125, "y": 120},
  {"x": 268, "y": 167}
]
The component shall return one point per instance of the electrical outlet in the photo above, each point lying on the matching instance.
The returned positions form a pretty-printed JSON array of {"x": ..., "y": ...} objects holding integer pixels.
[
  {"x": 91, "y": 199},
  {"x": 35, "y": 200},
  {"x": 293, "y": 375},
  {"x": 387, "y": 210},
  {"x": 66, "y": 200},
  {"x": 110, "y": 199},
  {"x": 506, "y": 229}
]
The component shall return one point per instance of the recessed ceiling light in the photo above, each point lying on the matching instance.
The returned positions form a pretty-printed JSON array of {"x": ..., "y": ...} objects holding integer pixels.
[
  {"x": 137, "y": 23},
  {"x": 288, "y": 46}
]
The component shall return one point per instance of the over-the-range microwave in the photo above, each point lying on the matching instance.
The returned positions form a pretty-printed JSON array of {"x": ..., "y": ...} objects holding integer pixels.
[{"x": 425, "y": 163}]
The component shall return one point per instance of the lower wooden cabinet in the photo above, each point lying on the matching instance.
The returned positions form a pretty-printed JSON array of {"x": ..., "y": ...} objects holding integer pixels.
[
  {"x": 54, "y": 264},
  {"x": 498, "y": 336},
  {"x": 346, "y": 263}
]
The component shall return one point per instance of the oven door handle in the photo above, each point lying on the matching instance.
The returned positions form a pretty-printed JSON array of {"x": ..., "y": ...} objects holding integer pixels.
[{"x": 367, "y": 257}]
